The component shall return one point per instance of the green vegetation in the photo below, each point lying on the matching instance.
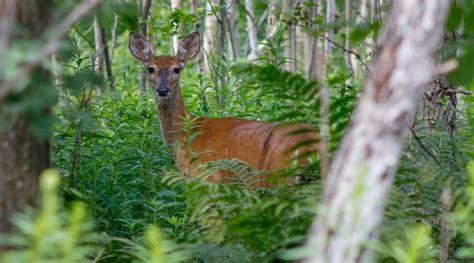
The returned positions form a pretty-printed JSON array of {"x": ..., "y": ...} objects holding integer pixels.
[{"x": 115, "y": 194}]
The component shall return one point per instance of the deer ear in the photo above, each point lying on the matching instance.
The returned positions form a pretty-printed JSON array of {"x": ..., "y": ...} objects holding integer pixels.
[
  {"x": 189, "y": 47},
  {"x": 139, "y": 47}
]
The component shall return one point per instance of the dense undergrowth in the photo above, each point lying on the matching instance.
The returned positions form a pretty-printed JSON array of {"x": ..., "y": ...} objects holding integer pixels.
[
  {"x": 110, "y": 150},
  {"x": 135, "y": 207}
]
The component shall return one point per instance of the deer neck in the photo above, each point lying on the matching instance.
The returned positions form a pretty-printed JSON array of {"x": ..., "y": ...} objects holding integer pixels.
[{"x": 172, "y": 111}]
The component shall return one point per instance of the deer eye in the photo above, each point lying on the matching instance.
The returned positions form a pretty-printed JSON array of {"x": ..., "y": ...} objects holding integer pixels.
[
  {"x": 151, "y": 70},
  {"x": 176, "y": 70}
]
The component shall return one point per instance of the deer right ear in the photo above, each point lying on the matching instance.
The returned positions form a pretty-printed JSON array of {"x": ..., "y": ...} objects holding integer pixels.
[
  {"x": 139, "y": 47},
  {"x": 189, "y": 47}
]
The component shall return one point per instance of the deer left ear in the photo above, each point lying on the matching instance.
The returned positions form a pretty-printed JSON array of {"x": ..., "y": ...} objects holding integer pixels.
[
  {"x": 139, "y": 47},
  {"x": 189, "y": 47}
]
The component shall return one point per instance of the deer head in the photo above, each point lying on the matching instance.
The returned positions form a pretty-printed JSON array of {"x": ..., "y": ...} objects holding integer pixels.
[{"x": 164, "y": 71}]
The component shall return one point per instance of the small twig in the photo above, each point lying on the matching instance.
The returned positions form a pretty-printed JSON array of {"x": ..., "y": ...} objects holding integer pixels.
[
  {"x": 80, "y": 34},
  {"x": 424, "y": 147},
  {"x": 357, "y": 55},
  {"x": 214, "y": 12},
  {"x": 247, "y": 13},
  {"x": 49, "y": 47},
  {"x": 460, "y": 91}
]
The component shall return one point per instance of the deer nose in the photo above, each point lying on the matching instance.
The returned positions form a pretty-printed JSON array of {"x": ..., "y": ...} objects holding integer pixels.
[{"x": 163, "y": 92}]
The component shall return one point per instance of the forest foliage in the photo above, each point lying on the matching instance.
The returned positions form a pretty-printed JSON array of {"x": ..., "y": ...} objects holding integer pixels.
[{"x": 114, "y": 194}]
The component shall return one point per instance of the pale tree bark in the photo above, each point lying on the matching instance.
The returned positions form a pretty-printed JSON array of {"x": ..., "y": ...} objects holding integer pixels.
[
  {"x": 56, "y": 68},
  {"x": 271, "y": 29},
  {"x": 372, "y": 9},
  {"x": 194, "y": 6},
  {"x": 176, "y": 4},
  {"x": 201, "y": 62},
  {"x": 324, "y": 94},
  {"x": 315, "y": 72},
  {"x": 143, "y": 18},
  {"x": 296, "y": 43},
  {"x": 271, "y": 20},
  {"x": 99, "y": 48},
  {"x": 251, "y": 28},
  {"x": 363, "y": 11},
  {"x": 361, "y": 17},
  {"x": 362, "y": 172},
  {"x": 287, "y": 14},
  {"x": 222, "y": 72},
  {"x": 347, "y": 44},
  {"x": 210, "y": 26},
  {"x": 366, "y": 15},
  {"x": 313, "y": 59},
  {"x": 234, "y": 36},
  {"x": 114, "y": 38},
  {"x": 329, "y": 35}
]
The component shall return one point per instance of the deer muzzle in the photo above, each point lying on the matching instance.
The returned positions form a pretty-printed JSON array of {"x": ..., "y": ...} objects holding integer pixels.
[{"x": 163, "y": 89}]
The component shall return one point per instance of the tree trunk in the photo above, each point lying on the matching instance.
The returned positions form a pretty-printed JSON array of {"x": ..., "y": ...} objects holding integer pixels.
[
  {"x": 252, "y": 32},
  {"x": 22, "y": 155},
  {"x": 234, "y": 36},
  {"x": 143, "y": 19},
  {"x": 7, "y": 16},
  {"x": 438, "y": 107},
  {"x": 272, "y": 20},
  {"x": 201, "y": 61},
  {"x": 287, "y": 13},
  {"x": 176, "y": 4},
  {"x": 314, "y": 69},
  {"x": 114, "y": 38},
  {"x": 222, "y": 72},
  {"x": 361, "y": 17},
  {"x": 347, "y": 45},
  {"x": 324, "y": 94},
  {"x": 210, "y": 24},
  {"x": 362, "y": 172},
  {"x": 108, "y": 61},
  {"x": 329, "y": 35},
  {"x": 194, "y": 6},
  {"x": 310, "y": 41},
  {"x": 102, "y": 55},
  {"x": 99, "y": 48}
]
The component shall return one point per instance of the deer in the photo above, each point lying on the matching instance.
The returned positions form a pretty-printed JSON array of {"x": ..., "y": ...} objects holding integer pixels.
[{"x": 264, "y": 146}]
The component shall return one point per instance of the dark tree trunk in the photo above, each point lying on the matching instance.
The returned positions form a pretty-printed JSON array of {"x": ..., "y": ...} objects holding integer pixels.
[
  {"x": 22, "y": 158},
  {"x": 108, "y": 61},
  {"x": 22, "y": 155}
]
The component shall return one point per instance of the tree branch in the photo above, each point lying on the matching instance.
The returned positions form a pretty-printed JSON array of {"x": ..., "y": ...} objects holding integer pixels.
[
  {"x": 50, "y": 46},
  {"x": 418, "y": 140},
  {"x": 357, "y": 55}
]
